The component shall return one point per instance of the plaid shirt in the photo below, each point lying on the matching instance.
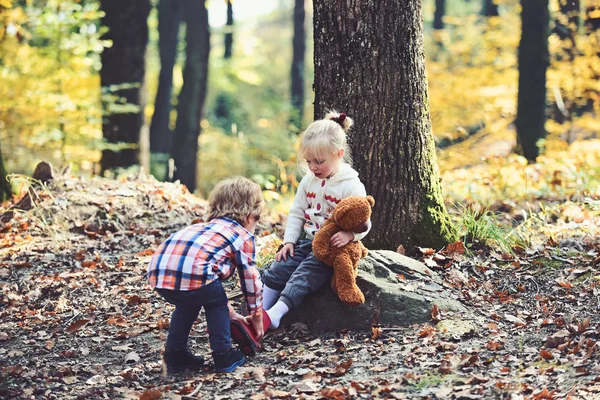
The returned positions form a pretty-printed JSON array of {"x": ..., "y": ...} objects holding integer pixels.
[{"x": 203, "y": 253}]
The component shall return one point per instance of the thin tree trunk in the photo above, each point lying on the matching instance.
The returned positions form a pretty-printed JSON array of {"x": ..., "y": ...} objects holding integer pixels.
[
  {"x": 299, "y": 51},
  {"x": 169, "y": 19},
  {"x": 5, "y": 189},
  {"x": 122, "y": 77},
  {"x": 489, "y": 8},
  {"x": 193, "y": 93},
  {"x": 229, "y": 30},
  {"x": 370, "y": 63},
  {"x": 438, "y": 15},
  {"x": 533, "y": 63}
]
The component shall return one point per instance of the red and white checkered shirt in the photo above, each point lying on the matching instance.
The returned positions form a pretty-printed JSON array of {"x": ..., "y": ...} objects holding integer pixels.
[{"x": 203, "y": 253}]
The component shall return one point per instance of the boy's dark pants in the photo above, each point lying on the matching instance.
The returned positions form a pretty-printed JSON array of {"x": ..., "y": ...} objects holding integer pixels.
[
  {"x": 298, "y": 276},
  {"x": 187, "y": 307}
]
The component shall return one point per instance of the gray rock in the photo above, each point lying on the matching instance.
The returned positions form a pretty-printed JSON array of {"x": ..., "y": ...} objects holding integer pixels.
[{"x": 390, "y": 300}]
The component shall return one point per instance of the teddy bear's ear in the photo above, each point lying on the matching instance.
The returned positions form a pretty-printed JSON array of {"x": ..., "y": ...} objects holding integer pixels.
[{"x": 371, "y": 200}]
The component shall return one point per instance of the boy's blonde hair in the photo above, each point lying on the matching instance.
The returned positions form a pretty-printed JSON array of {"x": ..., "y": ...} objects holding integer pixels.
[
  {"x": 237, "y": 198},
  {"x": 325, "y": 137}
]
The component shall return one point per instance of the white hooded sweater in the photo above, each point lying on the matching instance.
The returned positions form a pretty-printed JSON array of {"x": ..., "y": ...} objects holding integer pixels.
[{"x": 315, "y": 200}]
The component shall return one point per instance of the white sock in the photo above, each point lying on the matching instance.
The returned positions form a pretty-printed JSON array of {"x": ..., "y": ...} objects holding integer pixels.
[
  {"x": 270, "y": 297},
  {"x": 277, "y": 312}
]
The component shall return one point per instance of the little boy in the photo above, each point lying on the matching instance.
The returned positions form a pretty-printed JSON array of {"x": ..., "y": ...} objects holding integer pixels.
[{"x": 187, "y": 270}]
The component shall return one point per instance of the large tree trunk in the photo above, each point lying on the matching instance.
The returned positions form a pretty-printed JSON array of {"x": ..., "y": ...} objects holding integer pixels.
[
  {"x": 298, "y": 55},
  {"x": 370, "y": 63},
  {"x": 229, "y": 30},
  {"x": 489, "y": 8},
  {"x": 533, "y": 63},
  {"x": 5, "y": 189},
  {"x": 193, "y": 93},
  {"x": 122, "y": 78},
  {"x": 169, "y": 18}
]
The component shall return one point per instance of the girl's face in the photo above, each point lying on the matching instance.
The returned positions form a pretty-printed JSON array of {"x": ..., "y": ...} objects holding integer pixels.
[{"x": 324, "y": 168}]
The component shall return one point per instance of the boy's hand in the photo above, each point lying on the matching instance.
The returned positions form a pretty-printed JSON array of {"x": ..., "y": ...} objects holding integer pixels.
[
  {"x": 341, "y": 238},
  {"x": 287, "y": 248},
  {"x": 257, "y": 324}
]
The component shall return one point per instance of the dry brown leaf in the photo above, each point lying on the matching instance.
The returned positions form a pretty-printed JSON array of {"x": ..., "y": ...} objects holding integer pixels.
[
  {"x": 494, "y": 346},
  {"x": 343, "y": 367},
  {"x": 377, "y": 332},
  {"x": 75, "y": 326},
  {"x": 455, "y": 248},
  {"x": 435, "y": 313},
  {"x": 546, "y": 355},
  {"x": 427, "y": 251},
  {"x": 151, "y": 394},
  {"x": 565, "y": 284}
]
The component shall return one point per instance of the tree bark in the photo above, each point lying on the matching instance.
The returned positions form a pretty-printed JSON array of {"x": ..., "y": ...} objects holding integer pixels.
[
  {"x": 370, "y": 63},
  {"x": 5, "y": 189},
  {"x": 229, "y": 31},
  {"x": 193, "y": 93},
  {"x": 122, "y": 76},
  {"x": 489, "y": 8},
  {"x": 169, "y": 19},
  {"x": 298, "y": 55},
  {"x": 438, "y": 15},
  {"x": 533, "y": 63}
]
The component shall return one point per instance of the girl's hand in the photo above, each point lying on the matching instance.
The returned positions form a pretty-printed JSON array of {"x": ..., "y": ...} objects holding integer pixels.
[
  {"x": 287, "y": 248},
  {"x": 257, "y": 324},
  {"x": 341, "y": 238},
  {"x": 233, "y": 316}
]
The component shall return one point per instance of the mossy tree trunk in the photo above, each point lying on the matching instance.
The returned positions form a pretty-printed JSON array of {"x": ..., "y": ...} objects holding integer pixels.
[
  {"x": 193, "y": 93},
  {"x": 298, "y": 55},
  {"x": 5, "y": 189},
  {"x": 169, "y": 19},
  {"x": 533, "y": 63},
  {"x": 122, "y": 78},
  {"x": 370, "y": 63}
]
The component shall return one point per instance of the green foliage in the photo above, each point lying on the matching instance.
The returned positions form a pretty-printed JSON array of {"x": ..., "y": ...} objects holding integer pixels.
[
  {"x": 480, "y": 226},
  {"x": 50, "y": 96}
]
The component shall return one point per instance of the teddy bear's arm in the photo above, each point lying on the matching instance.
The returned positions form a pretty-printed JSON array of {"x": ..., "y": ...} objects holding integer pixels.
[{"x": 321, "y": 241}]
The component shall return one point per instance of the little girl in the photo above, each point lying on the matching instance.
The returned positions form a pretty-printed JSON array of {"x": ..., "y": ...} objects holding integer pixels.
[{"x": 329, "y": 179}]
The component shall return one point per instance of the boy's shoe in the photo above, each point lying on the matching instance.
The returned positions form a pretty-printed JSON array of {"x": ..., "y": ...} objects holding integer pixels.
[
  {"x": 229, "y": 360},
  {"x": 178, "y": 360},
  {"x": 245, "y": 337}
]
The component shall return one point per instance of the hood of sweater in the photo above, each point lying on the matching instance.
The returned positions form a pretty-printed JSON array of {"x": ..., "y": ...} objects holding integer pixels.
[{"x": 344, "y": 173}]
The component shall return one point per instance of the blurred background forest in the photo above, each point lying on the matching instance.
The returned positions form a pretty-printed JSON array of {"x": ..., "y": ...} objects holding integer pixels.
[{"x": 82, "y": 86}]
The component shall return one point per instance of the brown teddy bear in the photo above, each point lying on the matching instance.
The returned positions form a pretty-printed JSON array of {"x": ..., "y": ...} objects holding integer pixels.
[{"x": 351, "y": 214}]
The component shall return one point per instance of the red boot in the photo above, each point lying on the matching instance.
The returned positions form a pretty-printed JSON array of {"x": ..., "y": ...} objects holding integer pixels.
[{"x": 245, "y": 336}]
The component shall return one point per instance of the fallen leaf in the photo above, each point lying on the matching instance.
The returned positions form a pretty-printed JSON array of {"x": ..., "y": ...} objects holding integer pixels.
[
  {"x": 379, "y": 368},
  {"x": 427, "y": 251},
  {"x": 435, "y": 313},
  {"x": 132, "y": 357},
  {"x": 377, "y": 332},
  {"x": 546, "y": 355},
  {"x": 70, "y": 379},
  {"x": 565, "y": 284},
  {"x": 151, "y": 394},
  {"x": 343, "y": 367},
  {"x": 75, "y": 326}
]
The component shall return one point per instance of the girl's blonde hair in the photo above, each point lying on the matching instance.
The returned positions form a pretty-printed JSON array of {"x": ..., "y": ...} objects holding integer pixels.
[
  {"x": 325, "y": 137},
  {"x": 237, "y": 198}
]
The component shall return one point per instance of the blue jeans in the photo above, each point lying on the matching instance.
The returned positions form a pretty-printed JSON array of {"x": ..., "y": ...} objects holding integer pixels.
[
  {"x": 298, "y": 276},
  {"x": 188, "y": 304}
]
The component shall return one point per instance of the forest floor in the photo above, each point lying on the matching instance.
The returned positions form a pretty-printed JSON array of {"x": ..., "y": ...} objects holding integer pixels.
[{"x": 78, "y": 321}]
